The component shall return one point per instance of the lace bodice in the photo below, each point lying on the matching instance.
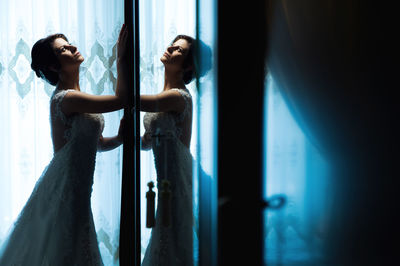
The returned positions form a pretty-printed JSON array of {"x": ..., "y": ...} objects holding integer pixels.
[
  {"x": 168, "y": 124},
  {"x": 79, "y": 126}
]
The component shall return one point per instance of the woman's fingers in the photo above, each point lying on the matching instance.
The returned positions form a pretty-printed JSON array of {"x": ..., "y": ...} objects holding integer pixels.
[
  {"x": 122, "y": 41},
  {"x": 123, "y": 32},
  {"x": 121, "y": 128},
  {"x": 120, "y": 33}
]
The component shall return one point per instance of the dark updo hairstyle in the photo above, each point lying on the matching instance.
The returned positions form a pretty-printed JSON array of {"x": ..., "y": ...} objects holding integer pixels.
[
  {"x": 189, "y": 59},
  {"x": 200, "y": 66},
  {"x": 44, "y": 58}
]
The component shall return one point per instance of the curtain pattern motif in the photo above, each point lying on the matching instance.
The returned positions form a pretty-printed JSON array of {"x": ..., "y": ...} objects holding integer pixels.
[{"x": 26, "y": 148}]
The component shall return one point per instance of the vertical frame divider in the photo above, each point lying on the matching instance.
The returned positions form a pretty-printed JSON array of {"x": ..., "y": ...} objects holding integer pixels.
[
  {"x": 129, "y": 248},
  {"x": 137, "y": 131}
]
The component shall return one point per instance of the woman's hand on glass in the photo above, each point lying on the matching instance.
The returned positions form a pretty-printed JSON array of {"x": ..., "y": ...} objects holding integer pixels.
[
  {"x": 120, "y": 135},
  {"x": 122, "y": 76},
  {"x": 122, "y": 46}
]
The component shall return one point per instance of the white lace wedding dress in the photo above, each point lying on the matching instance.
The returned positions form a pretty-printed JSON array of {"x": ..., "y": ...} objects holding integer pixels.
[
  {"x": 55, "y": 227},
  {"x": 172, "y": 245}
]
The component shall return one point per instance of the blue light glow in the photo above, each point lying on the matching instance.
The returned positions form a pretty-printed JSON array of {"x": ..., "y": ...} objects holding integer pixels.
[{"x": 293, "y": 167}]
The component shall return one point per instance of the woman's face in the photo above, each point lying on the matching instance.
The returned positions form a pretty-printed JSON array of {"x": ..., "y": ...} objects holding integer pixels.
[
  {"x": 175, "y": 54},
  {"x": 67, "y": 54}
]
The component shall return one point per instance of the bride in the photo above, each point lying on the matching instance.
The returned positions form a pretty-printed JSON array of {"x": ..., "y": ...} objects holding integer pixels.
[
  {"x": 168, "y": 125},
  {"x": 56, "y": 225}
]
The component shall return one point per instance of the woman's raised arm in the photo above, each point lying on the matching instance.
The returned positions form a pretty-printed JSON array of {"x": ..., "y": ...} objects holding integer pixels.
[
  {"x": 166, "y": 101},
  {"x": 80, "y": 102}
]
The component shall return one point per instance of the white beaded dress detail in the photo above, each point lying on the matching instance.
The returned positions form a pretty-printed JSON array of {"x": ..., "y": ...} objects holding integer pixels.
[
  {"x": 56, "y": 225},
  {"x": 172, "y": 245}
]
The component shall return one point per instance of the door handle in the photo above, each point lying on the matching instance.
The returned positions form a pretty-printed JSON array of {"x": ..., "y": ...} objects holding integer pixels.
[{"x": 274, "y": 202}]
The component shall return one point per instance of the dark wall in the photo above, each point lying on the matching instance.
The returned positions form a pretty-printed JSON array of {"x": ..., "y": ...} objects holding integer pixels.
[{"x": 241, "y": 46}]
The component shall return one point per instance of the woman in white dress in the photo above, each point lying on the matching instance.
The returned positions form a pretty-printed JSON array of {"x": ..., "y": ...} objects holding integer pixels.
[
  {"x": 168, "y": 124},
  {"x": 56, "y": 225}
]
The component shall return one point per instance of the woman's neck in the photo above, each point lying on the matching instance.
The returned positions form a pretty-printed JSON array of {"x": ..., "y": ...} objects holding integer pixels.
[
  {"x": 69, "y": 80},
  {"x": 173, "y": 80}
]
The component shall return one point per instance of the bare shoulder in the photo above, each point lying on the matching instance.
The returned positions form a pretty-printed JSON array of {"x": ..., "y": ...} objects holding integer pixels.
[
  {"x": 175, "y": 98},
  {"x": 170, "y": 93},
  {"x": 78, "y": 94},
  {"x": 180, "y": 95}
]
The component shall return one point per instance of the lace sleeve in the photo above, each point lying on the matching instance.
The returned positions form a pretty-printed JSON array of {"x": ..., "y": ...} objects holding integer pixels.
[
  {"x": 187, "y": 97},
  {"x": 57, "y": 99}
]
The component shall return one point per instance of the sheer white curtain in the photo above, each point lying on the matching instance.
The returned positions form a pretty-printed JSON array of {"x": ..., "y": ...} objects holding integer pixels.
[
  {"x": 25, "y": 143},
  {"x": 160, "y": 22},
  {"x": 295, "y": 168}
]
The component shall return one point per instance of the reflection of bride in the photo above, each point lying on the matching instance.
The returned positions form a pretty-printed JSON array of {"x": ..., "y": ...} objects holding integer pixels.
[
  {"x": 56, "y": 225},
  {"x": 168, "y": 124}
]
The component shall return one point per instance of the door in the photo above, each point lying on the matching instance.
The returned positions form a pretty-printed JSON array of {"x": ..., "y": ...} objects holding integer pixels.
[{"x": 155, "y": 25}]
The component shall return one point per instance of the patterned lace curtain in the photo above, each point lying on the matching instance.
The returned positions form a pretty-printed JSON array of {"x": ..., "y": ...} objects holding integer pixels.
[
  {"x": 160, "y": 22},
  {"x": 25, "y": 143}
]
